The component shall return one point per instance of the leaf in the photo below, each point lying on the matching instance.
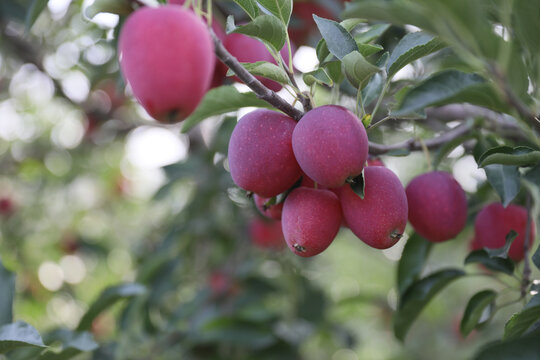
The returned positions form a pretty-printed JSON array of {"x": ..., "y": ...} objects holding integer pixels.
[
  {"x": 524, "y": 348},
  {"x": 502, "y": 252},
  {"x": 107, "y": 298},
  {"x": 368, "y": 49},
  {"x": 507, "y": 155},
  {"x": 357, "y": 68},
  {"x": 265, "y": 69},
  {"x": 412, "y": 261},
  {"x": 372, "y": 33},
  {"x": 449, "y": 86},
  {"x": 411, "y": 47},
  {"x": 282, "y": 9},
  {"x": 250, "y": 7},
  {"x": 448, "y": 147},
  {"x": 119, "y": 7},
  {"x": 476, "y": 307},
  {"x": 373, "y": 89},
  {"x": 73, "y": 343},
  {"x": 19, "y": 334},
  {"x": 525, "y": 23},
  {"x": 318, "y": 76},
  {"x": 493, "y": 263},
  {"x": 36, "y": 8},
  {"x": 7, "y": 291},
  {"x": 418, "y": 296},
  {"x": 228, "y": 330},
  {"x": 333, "y": 69},
  {"x": 222, "y": 100},
  {"x": 338, "y": 39},
  {"x": 520, "y": 322},
  {"x": 505, "y": 180},
  {"x": 358, "y": 185},
  {"x": 266, "y": 28}
]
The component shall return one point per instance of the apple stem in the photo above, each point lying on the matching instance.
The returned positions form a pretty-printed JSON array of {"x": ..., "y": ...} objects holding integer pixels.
[{"x": 258, "y": 88}]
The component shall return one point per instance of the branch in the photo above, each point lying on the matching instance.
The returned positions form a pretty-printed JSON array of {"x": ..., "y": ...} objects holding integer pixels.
[
  {"x": 413, "y": 144},
  {"x": 258, "y": 88}
]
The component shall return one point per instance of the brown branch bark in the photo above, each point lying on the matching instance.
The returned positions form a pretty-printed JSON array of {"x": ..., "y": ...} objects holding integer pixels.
[{"x": 258, "y": 88}]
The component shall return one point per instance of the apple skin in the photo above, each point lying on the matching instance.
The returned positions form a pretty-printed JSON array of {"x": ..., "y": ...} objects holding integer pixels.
[
  {"x": 494, "y": 222},
  {"x": 437, "y": 206},
  {"x": 261, "y": 158},
  {"x": 266, "y": 234},
  {"x": 167, "y": 57},
  {"x": 7, "y": 206},
  {"x": 330, "y": 145},
  {"x": 250, "y": 50},
  {"x": 380, "y": 218},
  {"x": 272, "y": 212},
  {"x": 374, "y": 161},
  {"x": 311, "y": 219}
]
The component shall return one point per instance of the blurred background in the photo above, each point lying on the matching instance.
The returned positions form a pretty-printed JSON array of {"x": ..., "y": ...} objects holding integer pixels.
[{"x": 94, "y": 193}]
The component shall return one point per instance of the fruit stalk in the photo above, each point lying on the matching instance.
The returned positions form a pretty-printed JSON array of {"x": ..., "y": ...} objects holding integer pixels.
[{"x": 258, "y": 88}]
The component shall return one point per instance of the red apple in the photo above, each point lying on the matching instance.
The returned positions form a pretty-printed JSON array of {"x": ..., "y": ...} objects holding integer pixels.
[{"x": 266, "y": 234}]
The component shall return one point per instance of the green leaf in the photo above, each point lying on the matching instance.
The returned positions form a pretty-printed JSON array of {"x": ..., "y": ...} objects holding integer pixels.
[
  {"x": 36, "y": 8},
  {"x": 120, "y": 7},
  {"x": 7, "y": 289},
  {"x": 233, "y": 331},
  {"x": 493, "y": 263},
  {"x": 412, "y": 261},
  {"x": 107, "y": 298},
  {"x": 506, "y": 155},
  {"x": 222, "y": 100},
  {"x": 369, "y": 49},
  {"x": 474, "y": 315},
  {"x": 372, "y": 33},
  {"x": 373, "y": 89},
  {"x": 505, "y": 180},
  {"x": 417, "y": 296},
  {"x": 520, "y": 322},
  {"x": 19, "y": 334},
  {"x": 73, "y": 343},
  {"x": 357, "y": 69},
  {"x": 524, "y": 348},
  {"x": 333, "y": 69},
  {"x": 446, "y": 87},
  {"x": 265, "y": 69},
  {"x": 266, "y": 28},
  {"x": 502, "y": 252},
  {"x": 250, "y": 7},
  {"x": 338, "y": 39},
  {"x": 282, "y": 9},
  {"x": 318, "y": 76},
  {"x": 411, "y": 47},
  {"x": 358, "y": 185},
  {"x": 322, "y": 51},
  {"x": 525, "y": 22}
]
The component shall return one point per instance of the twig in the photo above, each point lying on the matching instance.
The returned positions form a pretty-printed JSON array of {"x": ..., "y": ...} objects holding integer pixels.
[
  {"x": 413, "y": 144},
  {"x": 526, "y": 264},
  {"x": 258, "y": 88}
]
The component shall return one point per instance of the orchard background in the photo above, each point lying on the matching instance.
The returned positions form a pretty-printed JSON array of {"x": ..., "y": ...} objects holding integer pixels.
[{"x": 126, "y": 238}]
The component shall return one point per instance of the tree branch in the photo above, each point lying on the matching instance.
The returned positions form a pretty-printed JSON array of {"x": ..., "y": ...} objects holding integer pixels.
[
  {"x": 413, "y": 144},
  {"x": 258, "y": 88}
]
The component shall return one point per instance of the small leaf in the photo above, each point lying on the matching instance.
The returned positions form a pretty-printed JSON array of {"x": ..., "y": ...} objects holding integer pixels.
[
  {"x": 107, "y": 298},
  {"x": 119, "y": 7},
  {"x": 265, "y": 69},
  {"x": 36, "y": 8},
  {"x": 493, "y": 263},
  {"x": 282, "y": 9},
  {"x": 372, "y": 33},
  {"x": 222, "y": 100},
  {"x": 357, "y": 68},
  {"x": 333, "y": 69},
  {"x": 449, "y": 86},
  {"x": 338, "y": 39},
  {"x": 358, "y": 185},
  {"x": 318, "y": 76},
  {"x": 373, "y": 89},
  {"x": 368, "y": 49},
  {"x": 7, "y": 291},
  {"x": 502, "y": 252},
  {"x": 250, "y": 7},
  {"x": 19, "y": 334},
  {"x": 411, "y": 47},
  {"x": 524, "y": 348},
  {"x": 73, "y": 343},
  {"x": 266, "y": 28},
  {"x": 399, "y": 152},
  {"x": 477, "y": 306},
  {"x": 506, "y": 155},
  {"x": 505, "y": 180},
  {"x": 417, "y": 296},
  {"x": 520, "y": 322},
  {"x": 412, "y": 261}
]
